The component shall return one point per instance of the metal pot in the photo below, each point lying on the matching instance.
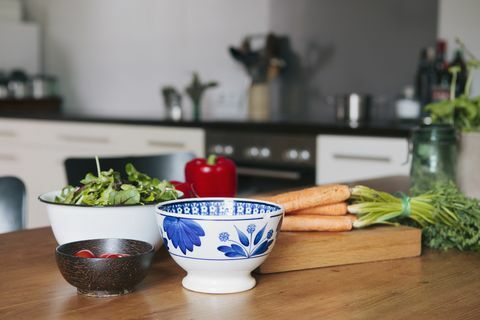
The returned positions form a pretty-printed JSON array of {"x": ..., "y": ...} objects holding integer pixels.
[{"x": 353, "y": 108}]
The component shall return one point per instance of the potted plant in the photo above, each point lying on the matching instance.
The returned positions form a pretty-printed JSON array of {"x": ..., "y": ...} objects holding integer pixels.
[
  {"x": 463, "y": 112},
  {"x": 195, "y": 91}
]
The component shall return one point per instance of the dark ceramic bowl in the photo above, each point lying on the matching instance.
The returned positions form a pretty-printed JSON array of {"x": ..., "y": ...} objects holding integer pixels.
[{"x": 105, "y": 277}]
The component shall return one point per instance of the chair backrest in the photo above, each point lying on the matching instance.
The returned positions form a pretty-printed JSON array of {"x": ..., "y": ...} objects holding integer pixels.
[
  {"x": 164, "y": 167},
  {"x": 12, "y": 204}
]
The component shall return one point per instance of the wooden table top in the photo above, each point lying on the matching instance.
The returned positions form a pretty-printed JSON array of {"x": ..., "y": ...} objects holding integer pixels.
[{"x": 434, "y": 286}]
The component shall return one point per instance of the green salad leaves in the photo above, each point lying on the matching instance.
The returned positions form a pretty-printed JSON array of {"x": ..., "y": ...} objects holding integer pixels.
[{"x": 108, "y": 189}]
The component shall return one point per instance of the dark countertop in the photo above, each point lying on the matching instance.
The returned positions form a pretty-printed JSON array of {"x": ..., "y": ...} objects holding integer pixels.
[{"x": 377, "y": 128}]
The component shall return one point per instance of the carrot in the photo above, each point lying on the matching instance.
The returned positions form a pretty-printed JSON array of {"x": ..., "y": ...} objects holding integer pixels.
[
  {"x": 336, "y": 209},
  {"x": 352, "y": 217},
  {"x": 312, "y": 197},
  {"x": 316, "y": 223}
]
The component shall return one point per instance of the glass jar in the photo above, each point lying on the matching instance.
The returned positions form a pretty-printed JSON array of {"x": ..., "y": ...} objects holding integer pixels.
[{"x": 434, "y": 157}]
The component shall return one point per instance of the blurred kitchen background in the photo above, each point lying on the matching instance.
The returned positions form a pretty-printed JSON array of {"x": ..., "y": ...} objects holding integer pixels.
[
  {"x": 296, "y": 92},
  {"x": 110, "y": 58}
]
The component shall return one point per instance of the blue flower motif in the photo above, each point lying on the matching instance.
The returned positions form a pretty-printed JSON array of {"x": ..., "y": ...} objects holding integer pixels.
[
  {"x": 269, "y": 234},
  {"x": 184, "y": 233},
  {"x": 224, "y": 236},
  {"x": 246, "y": 247}
]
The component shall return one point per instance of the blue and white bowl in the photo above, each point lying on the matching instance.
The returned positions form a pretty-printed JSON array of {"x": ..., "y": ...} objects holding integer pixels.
[{"x": 219, "y": 241}]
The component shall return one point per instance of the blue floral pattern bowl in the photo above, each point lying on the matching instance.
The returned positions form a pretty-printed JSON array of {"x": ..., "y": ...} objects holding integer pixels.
[{"x": 219, "y": 241}]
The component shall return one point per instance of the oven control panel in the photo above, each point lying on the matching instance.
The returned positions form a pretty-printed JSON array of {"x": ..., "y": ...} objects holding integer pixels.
[{"x": 280, "y": 149}]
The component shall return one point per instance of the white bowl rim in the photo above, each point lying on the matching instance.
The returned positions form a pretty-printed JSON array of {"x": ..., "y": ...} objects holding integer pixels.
[
  {"x": 43, "y": 198},
  {"x": 253, "y": 216}
]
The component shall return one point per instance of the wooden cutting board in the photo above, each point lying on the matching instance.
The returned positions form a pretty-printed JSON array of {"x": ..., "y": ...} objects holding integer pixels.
[{"x": 307, "y": 250}]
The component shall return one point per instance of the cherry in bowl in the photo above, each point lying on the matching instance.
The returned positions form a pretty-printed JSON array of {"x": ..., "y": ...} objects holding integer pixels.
[{"x": 108, "y": 276}]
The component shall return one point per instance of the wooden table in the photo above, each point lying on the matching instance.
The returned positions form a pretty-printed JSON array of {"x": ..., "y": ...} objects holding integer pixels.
[{"x": 438, "y": 285}]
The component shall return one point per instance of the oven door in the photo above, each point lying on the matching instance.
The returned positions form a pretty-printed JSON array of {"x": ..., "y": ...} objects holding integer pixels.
[{"x": 265, "y": 179}]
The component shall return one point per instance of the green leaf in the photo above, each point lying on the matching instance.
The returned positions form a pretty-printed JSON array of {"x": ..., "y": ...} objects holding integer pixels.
[
  {"x": 109, "y": 189},
  {"x": 89, "y": 178},
  {"x": 126, "y": 186},
  {"x": 131, "y": 196},
  {"x": 442, "y": 111},
  {"x": 468, "y": 106}
]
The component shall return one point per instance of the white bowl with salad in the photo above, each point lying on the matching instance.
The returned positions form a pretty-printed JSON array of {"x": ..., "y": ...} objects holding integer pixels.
[{"x": 107, "y": 206}]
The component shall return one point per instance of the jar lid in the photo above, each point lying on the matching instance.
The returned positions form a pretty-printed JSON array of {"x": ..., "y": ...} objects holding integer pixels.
[{"x": 436, "y": 132}]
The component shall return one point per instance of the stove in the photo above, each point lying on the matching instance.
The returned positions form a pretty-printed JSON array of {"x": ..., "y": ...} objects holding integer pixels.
[{"x": 266, "y": 161}]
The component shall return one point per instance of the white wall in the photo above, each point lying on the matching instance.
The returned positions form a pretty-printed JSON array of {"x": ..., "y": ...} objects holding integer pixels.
[
  {"x": 461, "y": 18},
  {"x": 19, "y": 46},
  {"x": 112, "y": 56}
]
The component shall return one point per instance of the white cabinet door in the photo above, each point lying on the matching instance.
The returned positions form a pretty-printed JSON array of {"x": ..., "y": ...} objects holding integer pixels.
[
  {"x": 31, "y": 165},
  {"x": 347, "y": 158},
  {"x": 126, "y": 139},
  {"x": 35, "y": 150},
  {"x": 159, "y": 140}
]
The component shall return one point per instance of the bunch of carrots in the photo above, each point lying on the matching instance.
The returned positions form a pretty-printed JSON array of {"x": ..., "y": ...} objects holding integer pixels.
[
  {"x": 320, "y": 208},
  {"x": 325, "y": 208}
]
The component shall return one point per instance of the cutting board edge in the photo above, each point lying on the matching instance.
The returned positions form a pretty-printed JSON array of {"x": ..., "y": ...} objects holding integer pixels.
[
  {"x": 261, "y": 270},
  {"x": 408, "y": 246}
]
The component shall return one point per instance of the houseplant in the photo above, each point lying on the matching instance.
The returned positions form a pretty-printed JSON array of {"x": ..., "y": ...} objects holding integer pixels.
[
  {"x": 463, "y": 112},
  {"x": 195, "y": 91}
]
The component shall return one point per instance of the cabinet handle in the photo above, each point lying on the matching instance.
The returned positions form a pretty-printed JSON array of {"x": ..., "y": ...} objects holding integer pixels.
[
  {"x": 166, "y": 144},
  {"x": 83, "y": 139},
  {"x": 267, "y": 173},
  {"x": 339, "y": 156},
  {"x": 8, "y": 134}
]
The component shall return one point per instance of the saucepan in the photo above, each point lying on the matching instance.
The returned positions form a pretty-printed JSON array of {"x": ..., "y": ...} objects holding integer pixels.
[{"x": 352, "y": 108}]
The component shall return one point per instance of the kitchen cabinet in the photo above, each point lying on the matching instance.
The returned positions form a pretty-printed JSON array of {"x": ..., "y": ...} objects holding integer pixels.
[
  {"x": 350, "y": 158},
  {"x": 34, "y": 150}
]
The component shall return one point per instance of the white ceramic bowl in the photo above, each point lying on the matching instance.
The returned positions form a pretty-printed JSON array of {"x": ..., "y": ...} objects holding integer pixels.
[
  {"x": 72, "y": 223},
  {"x": 219, "y": 241}
]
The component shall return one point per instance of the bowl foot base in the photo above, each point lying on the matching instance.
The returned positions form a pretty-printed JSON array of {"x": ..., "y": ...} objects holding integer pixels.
[
  {"x": 218, "y": 284},
  {"x": 103, "y": 294}
]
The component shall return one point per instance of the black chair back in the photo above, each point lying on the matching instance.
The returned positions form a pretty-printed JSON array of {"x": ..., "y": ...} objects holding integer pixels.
[
  {"x": 164, "y": 167},
  {"x": 12, "y": 204}
]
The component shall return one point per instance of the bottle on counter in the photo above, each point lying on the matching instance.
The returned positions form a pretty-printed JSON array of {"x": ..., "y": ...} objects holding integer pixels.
[
  {"x": 459, "y": 61},
  {"x": 408, "y": 107},
  {"x": 173, "y": 103},
  {"x": 425, "y": 76},
  {"x": 441, "y": 88}
]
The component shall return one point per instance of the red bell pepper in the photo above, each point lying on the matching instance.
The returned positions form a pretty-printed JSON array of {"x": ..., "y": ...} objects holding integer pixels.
[
  {"x": 212, "y": 177},
  {"x": 184, "y": 187}
]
